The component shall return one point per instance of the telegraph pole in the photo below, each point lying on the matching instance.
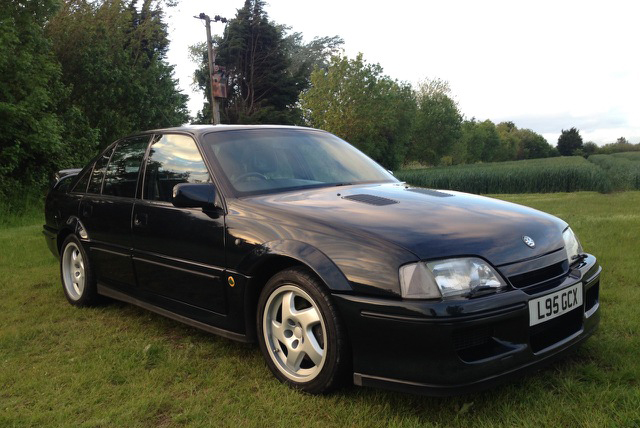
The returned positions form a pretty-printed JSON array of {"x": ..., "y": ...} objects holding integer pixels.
[{"x": 211, "y": 53}]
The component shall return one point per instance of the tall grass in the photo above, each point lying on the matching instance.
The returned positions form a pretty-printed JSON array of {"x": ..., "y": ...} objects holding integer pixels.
[
  {"x": 564, "y": 174},
  {"x": 623, "y": 169},
  {"x": 21, "y": 208}
]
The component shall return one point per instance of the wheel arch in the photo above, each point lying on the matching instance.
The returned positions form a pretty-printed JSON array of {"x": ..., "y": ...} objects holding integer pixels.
[
  {"x": 72, "y": 225},
  {"x": 277, "y": 256}
]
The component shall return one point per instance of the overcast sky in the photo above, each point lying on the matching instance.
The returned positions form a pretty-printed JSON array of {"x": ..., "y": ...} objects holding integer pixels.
[{"x": 545, "y": 65}]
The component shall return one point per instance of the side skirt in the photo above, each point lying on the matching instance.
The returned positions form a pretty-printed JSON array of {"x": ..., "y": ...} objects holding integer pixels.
[{"x": 117, "y": 295}]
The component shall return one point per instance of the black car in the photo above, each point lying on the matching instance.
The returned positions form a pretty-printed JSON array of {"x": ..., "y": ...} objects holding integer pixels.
[{"x": 292, "y": 238}]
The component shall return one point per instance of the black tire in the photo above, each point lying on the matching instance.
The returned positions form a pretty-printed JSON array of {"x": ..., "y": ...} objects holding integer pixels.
[
  {"x": 74, "y": 265},
  {"x": 321, "y": 354}
]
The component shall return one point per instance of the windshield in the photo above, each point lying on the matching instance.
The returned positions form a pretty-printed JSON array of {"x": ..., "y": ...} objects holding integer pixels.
[{"x": 271, "y": 160}]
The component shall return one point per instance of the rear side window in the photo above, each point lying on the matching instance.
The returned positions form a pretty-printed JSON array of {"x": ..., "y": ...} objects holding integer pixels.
[
  {"x": 173, "y": 159},
  {"x": 83, "y": 182},
  {"x": 64, "y": 183},
  {"x": 95, "y": 182},
  {"x": 121, "y": 178}
]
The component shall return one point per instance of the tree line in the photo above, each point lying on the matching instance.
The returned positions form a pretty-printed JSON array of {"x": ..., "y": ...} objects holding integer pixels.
[{"x": 78, "y": 74}]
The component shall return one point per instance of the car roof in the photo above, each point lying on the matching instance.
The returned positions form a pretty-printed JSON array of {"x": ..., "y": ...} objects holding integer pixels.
[{"x": 199, "y": 130}]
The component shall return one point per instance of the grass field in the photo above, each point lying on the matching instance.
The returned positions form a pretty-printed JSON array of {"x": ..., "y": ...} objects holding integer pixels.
[
  {"x": 121, "y": 366},
  {"x": 601, "y": 173}
]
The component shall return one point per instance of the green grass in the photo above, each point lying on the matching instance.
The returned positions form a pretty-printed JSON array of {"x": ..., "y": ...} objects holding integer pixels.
[{"x": 118, "y": 365}]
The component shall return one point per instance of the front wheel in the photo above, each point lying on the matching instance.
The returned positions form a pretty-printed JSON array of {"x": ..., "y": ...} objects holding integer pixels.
[
  {"x": 300, "y": 334},
  {"x": 77, "y": 278}
]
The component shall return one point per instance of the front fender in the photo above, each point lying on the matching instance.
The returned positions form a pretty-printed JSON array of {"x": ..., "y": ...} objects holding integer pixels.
[{"x": 304, "y": 253}]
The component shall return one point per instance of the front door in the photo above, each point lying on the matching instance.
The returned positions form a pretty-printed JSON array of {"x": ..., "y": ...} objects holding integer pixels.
[{"x": 178, "y": 252}]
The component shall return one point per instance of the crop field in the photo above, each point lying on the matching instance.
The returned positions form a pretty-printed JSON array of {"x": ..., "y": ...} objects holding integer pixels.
[
  {"x": 600, "y": 173},
  {"x": 117, "y": 365}
]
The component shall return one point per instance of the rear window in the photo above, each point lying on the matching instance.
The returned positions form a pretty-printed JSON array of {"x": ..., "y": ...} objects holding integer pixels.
[
  {"x": 97, "y": 175},
  {"x": 121, "y": 177}
]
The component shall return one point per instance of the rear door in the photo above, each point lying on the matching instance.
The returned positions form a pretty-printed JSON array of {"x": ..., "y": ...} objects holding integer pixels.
[
  {"x": 178, "y": 252},
  {"x": 106, "y": 209}
]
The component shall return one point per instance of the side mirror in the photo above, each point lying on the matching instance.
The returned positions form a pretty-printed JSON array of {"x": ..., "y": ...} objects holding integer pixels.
[{"x": 194, "y": 195}]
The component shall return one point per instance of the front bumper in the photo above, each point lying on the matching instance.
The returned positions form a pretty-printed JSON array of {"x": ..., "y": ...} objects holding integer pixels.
[{"x": 451, "y": 347}]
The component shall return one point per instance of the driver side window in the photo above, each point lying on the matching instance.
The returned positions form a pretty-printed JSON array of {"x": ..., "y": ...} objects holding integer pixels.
[{"x": 173, "y": 159}]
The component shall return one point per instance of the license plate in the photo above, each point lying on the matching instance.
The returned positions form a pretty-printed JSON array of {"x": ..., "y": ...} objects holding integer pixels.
[{"x": 555, "y": 304}]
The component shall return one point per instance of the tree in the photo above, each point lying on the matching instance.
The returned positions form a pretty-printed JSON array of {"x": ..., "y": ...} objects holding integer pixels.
[
  {"x": 569, "y": 141},
  {"x": 30, "y": 142},
  {"x": 261, "y": 87},
  {"x": 113, "y": 57},
  {"x": 589, "y": 148},
  {"x": 438, "y": 122},
  {"x": 302, "y": 58},
  {"x": 533, "y": 145},
  {"x": 357, "y": 102},
  {"x": 621, "y": 145},
  {"x": 509, "y": 141}
]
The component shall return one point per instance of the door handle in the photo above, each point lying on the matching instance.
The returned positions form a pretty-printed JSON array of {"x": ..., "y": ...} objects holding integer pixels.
[{"x": 140, "y": 220}]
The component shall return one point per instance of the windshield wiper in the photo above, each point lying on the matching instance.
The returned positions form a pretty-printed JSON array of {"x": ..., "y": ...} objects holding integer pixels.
[{"x": 342, "y": 184}]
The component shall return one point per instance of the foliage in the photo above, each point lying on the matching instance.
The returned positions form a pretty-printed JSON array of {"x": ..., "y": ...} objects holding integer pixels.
[
  {"x": 113, "y": 58},
  {"x": 267, "y": 68},
  {"x": 589, "y": 148},
  {"x": 569, "y": 141},
  {"x": 118, "y": 365},
  {"x": 355, "y": 101},
  {"x": 306, "y": 57},
  {"x": 621, "y": 145},
  {"x": 526, "y": 176},
  {"x": 481, "y": 140},
  {"x": 30, "y": 143},
  {"x": 437, "y": 125},
  {"x": 532, "y": 145},
  {"x": 76, "y": 76}
]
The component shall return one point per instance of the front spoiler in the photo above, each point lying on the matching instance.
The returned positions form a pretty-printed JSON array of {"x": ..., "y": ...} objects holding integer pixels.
[{"x": 451, "y": 347}]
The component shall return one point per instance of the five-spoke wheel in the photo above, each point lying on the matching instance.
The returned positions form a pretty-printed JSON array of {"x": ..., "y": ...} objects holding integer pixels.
[
  {"x": 73, "y": 275},
  {"x": 294, "y": 331},
  {"x": 300, "y": 334},
  {"x": 77, "y": 278}
]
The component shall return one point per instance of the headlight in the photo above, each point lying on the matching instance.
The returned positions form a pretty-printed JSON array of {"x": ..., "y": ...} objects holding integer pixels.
[
  {"x": 571, "y": 244},
  {"x": 450, "y": 277}
]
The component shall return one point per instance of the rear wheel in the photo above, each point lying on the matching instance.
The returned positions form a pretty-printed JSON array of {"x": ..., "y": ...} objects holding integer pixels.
[
  {"x": 77, "y": 277},
  {"x": 300, "y": 333}
]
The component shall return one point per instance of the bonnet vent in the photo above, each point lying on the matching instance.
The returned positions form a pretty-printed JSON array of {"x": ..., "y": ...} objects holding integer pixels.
[
  {"x": 430, "y": 192},
  {"x": 370, "y": 199}
]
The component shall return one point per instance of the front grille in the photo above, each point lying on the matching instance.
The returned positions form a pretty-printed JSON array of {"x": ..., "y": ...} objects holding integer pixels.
[
  {"x": 592, "y": 297},
  {"x": 549, "y": 275},
  {"x": 471, "y": 337},
  {"x": 551, "y": 332}
]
